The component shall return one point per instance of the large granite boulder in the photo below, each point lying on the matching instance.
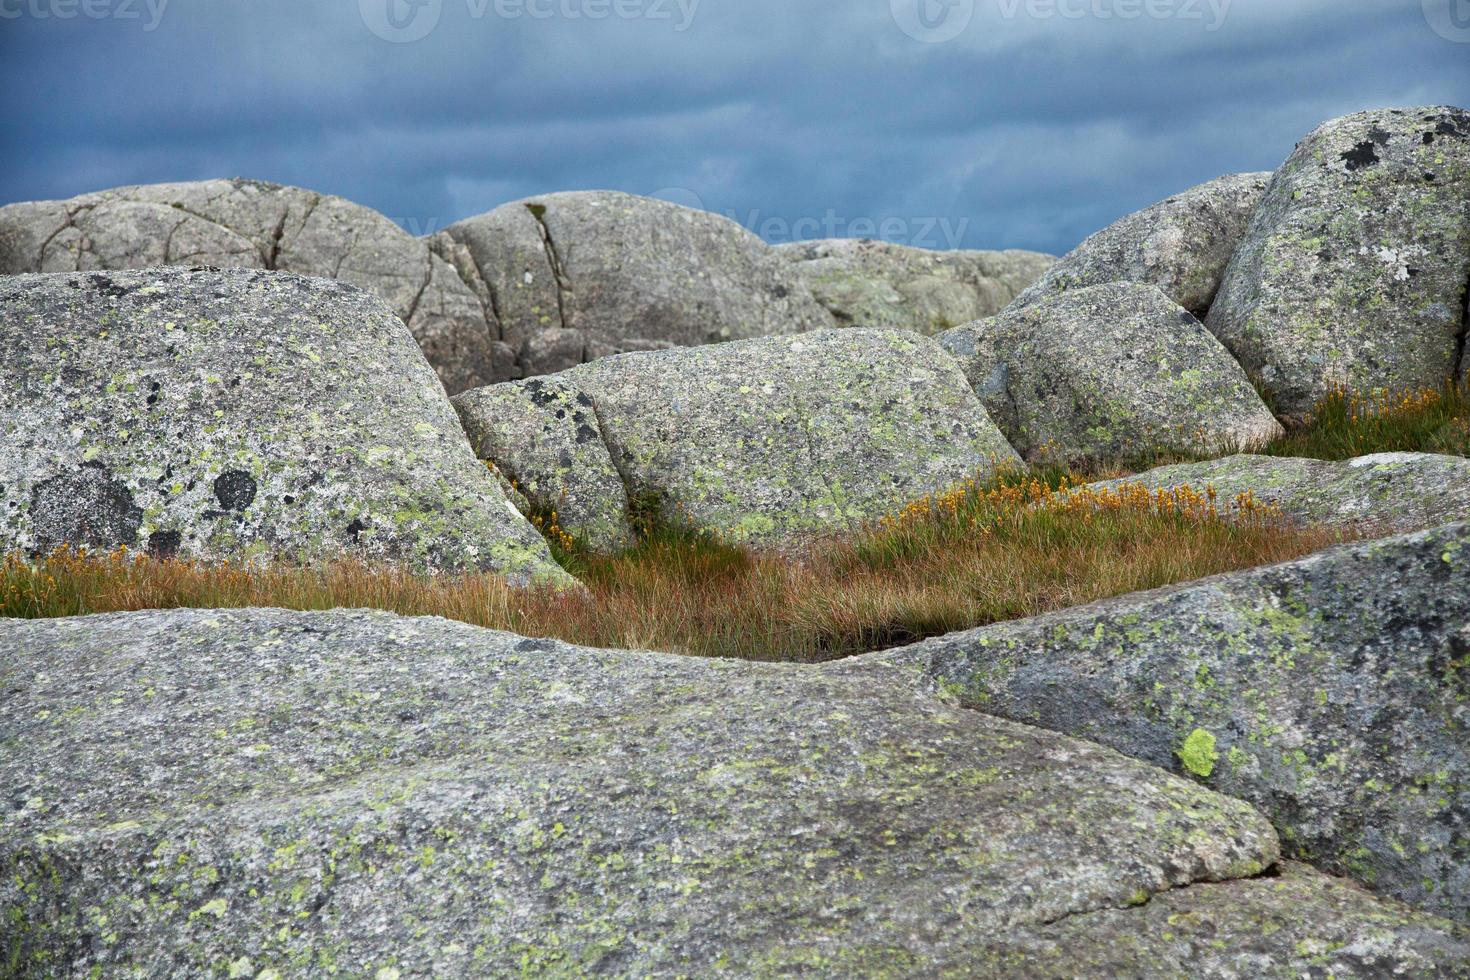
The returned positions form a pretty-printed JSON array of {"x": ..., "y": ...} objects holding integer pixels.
[
  {"x": 584, "y": 274},
  {"x": 236, "y": 415},
  {"x": 867, "y": 283},
  {"x": 768, "y": 442},
  {"x": 1355, "y": 268},
  {"x": 1181, "y": 245},
  {"x": 1386, "y": 493},
  {"x": 256, "y": 225},
  {"x": 1331, "y": 692},
  {"x": 271, "y": 793},
  {"x": 1109, "y": 373}
]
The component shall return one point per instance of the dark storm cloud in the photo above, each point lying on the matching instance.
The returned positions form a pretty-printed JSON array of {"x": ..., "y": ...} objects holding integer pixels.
[{"x": 1037, "y": 123}]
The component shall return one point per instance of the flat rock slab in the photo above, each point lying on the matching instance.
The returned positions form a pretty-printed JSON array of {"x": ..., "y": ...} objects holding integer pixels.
[
  {"x": 1331, "y": 692},
  {"x": 1182, "y": 245},
  {"x": 1386, "y": 493},
  {"x": 1355, "y": 267},
  {"x": 877, "y": 284},
  {"x": 769, "y": 442},
  {"x": 1108, "y": 373},
  {"x": 252, "y": 790},
  {"x": 257, "y": 225},
  {"x": 239, "y": 415},
  {"x": 584, "y": 274}
]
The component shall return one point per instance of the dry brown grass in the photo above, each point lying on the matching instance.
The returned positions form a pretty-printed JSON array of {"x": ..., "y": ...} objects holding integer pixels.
[{"x": 982, "y": 553}]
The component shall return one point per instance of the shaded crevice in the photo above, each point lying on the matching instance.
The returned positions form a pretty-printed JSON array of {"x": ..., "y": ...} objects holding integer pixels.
[
  {"x": 553, "y": 259},
  {"x": 276, "y": 236},
  {"x": 168, "y": 243},
  {"x": 418, "y": 297},
  {"x": 70, "y": 222},
  {"x": 1458, "y": 371},
  {"x": 1271, "y": 871},
  {"x": 617, "y": 464},
  {"x": 490, "y": 292}
]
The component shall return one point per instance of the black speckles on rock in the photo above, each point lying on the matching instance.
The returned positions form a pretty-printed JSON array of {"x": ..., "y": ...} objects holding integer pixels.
[
  {"x": 355, "y": 529},
  {"x": 164, "y": 544},
  {"x": 86, "y": 507},
  {"x": 235, "y": 490}
]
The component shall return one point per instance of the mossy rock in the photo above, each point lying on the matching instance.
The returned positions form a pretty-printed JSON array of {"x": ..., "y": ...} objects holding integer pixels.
[
  {"x": 263, "y": 792},
  {"x": 770, "y": 442},
  {"x": 876, "y": 284},
  {"x": 1182, "y": 245},
  {"x": 239, "y": 415},
  {"x": 1106, "y": 373},
  {"x": 580, "y": 275},
  {"x": 1331, "y": 692},
  {"x": 257, "y": 225},
  {"x": 1354, "y": 271}
]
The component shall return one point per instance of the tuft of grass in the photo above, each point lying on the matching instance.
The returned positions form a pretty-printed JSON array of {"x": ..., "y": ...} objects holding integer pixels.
[
  {"x": 1348, "y": 424},
  {"x": 985, "y": 551}
]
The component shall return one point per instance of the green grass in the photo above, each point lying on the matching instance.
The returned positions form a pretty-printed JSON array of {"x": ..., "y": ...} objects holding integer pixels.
[{"x": 1346, "y": 425}]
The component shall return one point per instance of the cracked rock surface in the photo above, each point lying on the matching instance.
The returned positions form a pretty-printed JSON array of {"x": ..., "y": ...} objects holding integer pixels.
[
  {"x": 354, "y": 791},
  {"x": 243, "y": 415},
  {"x": 868, "y": 283},
  {"x": 769, "y": 442},
  {"x": 1182, "y": 245},
  {"x": 257, "y": 225},
  {"x": 580, "y": 275},
  {"x": 1107, "y": 373},
  {"x": 1332, "y": 692},
  {"x": 1355, "y": 266}
]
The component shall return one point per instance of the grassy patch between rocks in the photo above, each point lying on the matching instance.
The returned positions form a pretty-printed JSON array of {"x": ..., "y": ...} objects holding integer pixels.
[
  {"x": 981, "y": 553},
  {"x": 1346, "y": 425}
]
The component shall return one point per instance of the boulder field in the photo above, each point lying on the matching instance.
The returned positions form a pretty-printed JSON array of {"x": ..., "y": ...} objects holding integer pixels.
[{"x": 1264, "y": 773}]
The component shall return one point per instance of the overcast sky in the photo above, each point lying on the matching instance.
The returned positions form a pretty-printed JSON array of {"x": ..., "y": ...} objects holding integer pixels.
[{"x": 981, "y": 123}]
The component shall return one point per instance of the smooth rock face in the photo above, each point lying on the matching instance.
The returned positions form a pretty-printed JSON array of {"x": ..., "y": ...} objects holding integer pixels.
[
  {"x": 1182, "y": 245},
  {"x": 1355, "y": 268},
  {"x": 768, "y": 442},
  {"x": 1386, "y": 493},
  {"x": 867, "y": 283},
  {"x": 1331, "y": 692},
  {"x": 544, "y": 436},
  {"x": 256, "y": 225},
  {"x": 358, "y": 792},
  {"x": 236, "y": 415},
  {"x": 581, "y": 275},
  {"x": 1110, "y": 372}
]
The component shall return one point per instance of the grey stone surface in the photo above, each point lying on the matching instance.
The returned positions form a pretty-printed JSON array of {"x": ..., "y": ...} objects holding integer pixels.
[
  {"x": 1355, "y": 268},
  {"x": 1182, "y": 245},
  {"x": 868, "y": 283},
  {"x": 580, "y": 275},
  {"x": 236, "y": 415},
  {"x": 1109, "y": 373},
  {"x": 196, "y": 792},
  {"x": 1380, "y": 494},
  {"x": 544, "y": 436},
  {"x": 769, "y": 442},
  {"x": 1331, "y": 692},
  {"x": 253, "y": 224}
]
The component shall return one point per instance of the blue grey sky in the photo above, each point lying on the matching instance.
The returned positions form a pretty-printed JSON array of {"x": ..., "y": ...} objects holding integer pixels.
[{"x": 975, "y": 123}]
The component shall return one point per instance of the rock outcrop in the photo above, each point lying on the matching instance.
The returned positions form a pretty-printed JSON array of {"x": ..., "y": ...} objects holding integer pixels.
[
  {"x": 1106, "y": 373},
  {"x": 1331, "y": 692},
  {"x": 580, "y": 275},
  {"x": 867, "y": 283},
  {"x": 354, "y": 792},
  {"x": 1386, "y": 493},
  {"x": 768, "y": 442},
  {"x": 237, "y": 415},
  {"x": 1182, "y": 245},
  {"x": 1355, "y": 268},
  {"x": 256, "y": 225}
]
